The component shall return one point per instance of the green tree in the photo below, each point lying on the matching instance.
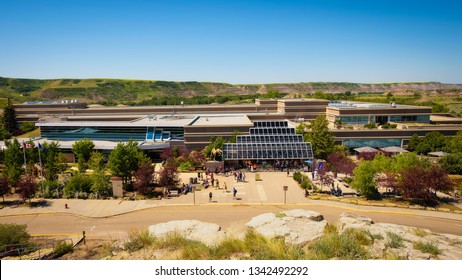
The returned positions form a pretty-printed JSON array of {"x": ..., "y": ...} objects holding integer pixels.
[
  {"x": 14, "y": 161},
  {"x": 82, "y": 149},
  {"x": 52, "y": 160},
  {"x": 123, "y": 162},
  {"x": 454, "y": 143},
  {"x": 364, "y": 180},
  {"x": 100, "y": 181},
  {"x": 321, "y": 139},
  {"x": 9, "y": 118},
  {"x": 4, "y": 134},
  {"x": 452, "y": 163},
  {"x": 13, "y": 234},
  {"x": 413, "y": 143}
]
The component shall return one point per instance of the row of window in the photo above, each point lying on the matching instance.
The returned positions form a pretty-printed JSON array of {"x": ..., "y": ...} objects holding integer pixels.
[{"x": 376, "y": 143}]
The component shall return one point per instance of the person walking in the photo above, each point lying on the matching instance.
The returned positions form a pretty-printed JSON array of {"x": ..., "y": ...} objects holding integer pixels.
[
  {"x": 210, "y": 196},
  {"x": 225, "y": 187},
  {"x": 234, "y": 193}
]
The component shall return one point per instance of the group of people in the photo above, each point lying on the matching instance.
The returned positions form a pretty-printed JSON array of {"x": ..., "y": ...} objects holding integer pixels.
[{"x": 239, "y": 176}]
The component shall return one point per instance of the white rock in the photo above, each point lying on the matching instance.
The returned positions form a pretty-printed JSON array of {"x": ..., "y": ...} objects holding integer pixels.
[
  {"x": 261, "y": 220},
  {"x": 301, "y": 213},
  {"x": 207, "y": 233}
]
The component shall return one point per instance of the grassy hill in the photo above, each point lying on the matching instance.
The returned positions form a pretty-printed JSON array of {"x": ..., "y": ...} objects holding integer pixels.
[{"x": 145, "y": 92}]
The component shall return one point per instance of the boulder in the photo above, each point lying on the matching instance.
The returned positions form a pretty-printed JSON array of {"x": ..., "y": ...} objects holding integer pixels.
[
  {"x": 208, "y": 233},
  {"x": 296, "y": 226}
]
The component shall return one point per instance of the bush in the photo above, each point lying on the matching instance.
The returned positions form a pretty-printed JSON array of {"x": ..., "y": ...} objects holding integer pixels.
[
  {"x": 78, "y": 183},
  {"x": 427, "y": 247},
  {"x": 13, "y": 234},
  {"x": 370, "y": 125},
  {"x": 63, "y": 248},
  {"x": 345, "y": 246},
  {"x": 387, "y": 126},
  {"x": 306, "y": 185},
  {"x": 139, "y": 239},
  {"x": 297, "y": 176},
  {"x": 394, "y": 240}
]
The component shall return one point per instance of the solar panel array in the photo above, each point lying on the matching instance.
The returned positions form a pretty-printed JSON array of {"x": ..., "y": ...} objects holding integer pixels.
[
  {"x": 271, "y": 130},
  {"x": 268, "y": 140}
]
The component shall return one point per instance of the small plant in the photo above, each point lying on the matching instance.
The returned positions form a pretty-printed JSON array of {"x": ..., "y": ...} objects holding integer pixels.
[
  {"x": 281, "y": 215},
  {"x": 394, "y": 240},
  {"x": 63, "y": 248},
  {"x": 297, "y": 176},
  {"x": 419, "y": 232},
  {"x": 427, "y": 247},
  {"x": 139, "y": 239},
  {"x": 370, "y": 125},
  {"x": 376, "y": 236}
]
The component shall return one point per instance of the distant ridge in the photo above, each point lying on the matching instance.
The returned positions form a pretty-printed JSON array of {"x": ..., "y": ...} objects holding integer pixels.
[{"x": 98, "y": 90}]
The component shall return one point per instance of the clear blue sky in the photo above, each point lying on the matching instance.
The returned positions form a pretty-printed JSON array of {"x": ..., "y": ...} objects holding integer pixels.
[{"x": 233, "y": 41}]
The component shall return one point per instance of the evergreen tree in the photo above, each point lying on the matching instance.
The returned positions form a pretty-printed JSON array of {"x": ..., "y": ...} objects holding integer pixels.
[
  {"x": 321, "y": 139},
  {"x": 9, "y": 121}
]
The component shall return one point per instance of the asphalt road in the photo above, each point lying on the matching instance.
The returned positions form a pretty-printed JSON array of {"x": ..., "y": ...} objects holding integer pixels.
[{"x": 60, "y": 224}]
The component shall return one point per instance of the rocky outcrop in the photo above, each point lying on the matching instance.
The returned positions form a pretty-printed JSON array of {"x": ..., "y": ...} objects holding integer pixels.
[
  {"x": 296, "y": 226},
  {"x": 403, "y": 241},
  {"x": 208, "y": 233}
]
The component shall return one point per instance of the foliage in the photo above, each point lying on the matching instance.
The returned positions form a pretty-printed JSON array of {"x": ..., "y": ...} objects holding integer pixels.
[
  {"x": 52, "y": 160},
  {"x": 394, "y": 240},
  {"x": 96, "y": 161},
  {"x": 13, "y": 160},
  {"x": 26, "y": 127},
  {"x": 168, "y": 176},
  {"x": 432, "y": 142},
  {"x": 4, "y": 134},
  {"x": 123, "y": 161},
  {"x": 63, "y": 248},
  {"x": 364, "y": 179},
  {"x": 144, "y": 179},
  {"x": 9, "y": 122},
  {"x": 27, "y": 187},
  {"x": 338, "y": 161},
  {"x": 13, "y": 234},
  {"x": 262, "y": 248},
  {"x": 101, "y": 183},
  {"x": 233, "y": 137},
  {"x": 197, "y": 158},
  {"x": 419, "y": 184},
  {"x": 321, "y": 139},
  {"x": 388, "y": 126},
  {"x": 82, "y": 149},
  {"x": 452, "y": 163},
  {"x": 138, "y": 239},
  {"x": 370, "y": 125},
  {"x": 79, "y": 183},
  {"x": 347, "y": 246},
  {"x": 4, "y": 187},
  {"x": 427, "y": 247}
]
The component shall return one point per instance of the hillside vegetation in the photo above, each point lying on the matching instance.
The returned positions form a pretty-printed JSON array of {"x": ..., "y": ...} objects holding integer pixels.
[{"x": 145, "y": 92}]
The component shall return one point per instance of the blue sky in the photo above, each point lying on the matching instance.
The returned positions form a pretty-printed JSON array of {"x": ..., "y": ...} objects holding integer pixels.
[{"x": 233, "y": 41}]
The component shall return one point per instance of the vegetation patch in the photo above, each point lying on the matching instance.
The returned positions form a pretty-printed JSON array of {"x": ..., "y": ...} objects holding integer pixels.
[{"x": 427, "y": 247}]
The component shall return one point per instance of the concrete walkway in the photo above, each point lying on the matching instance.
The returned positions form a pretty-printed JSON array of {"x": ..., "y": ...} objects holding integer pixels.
[{"x": 267, "y": 191}]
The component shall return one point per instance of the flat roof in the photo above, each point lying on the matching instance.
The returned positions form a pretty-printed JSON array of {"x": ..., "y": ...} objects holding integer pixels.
[
  {"x": 177, "y": 120},
  {"x": 367, "y": 105},
  {"x": 227, "y": 120}
]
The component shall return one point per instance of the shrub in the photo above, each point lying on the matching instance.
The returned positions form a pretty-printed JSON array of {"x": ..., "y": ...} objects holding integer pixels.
[
  {"x": 297, "y": 176},
  {"x": 80, "y": 183},
  {"x": 370, "y": 125},
  {"x": 394, "y": 240},
  {"x": 139, "y": 239},
  {"x": 345, "y": 246},
  {"x": 63, "y": 248},
  {"x": 427, "y": 247},
  {"x": 306, "y": 185},
  {"x": 13, "y": 234}
]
